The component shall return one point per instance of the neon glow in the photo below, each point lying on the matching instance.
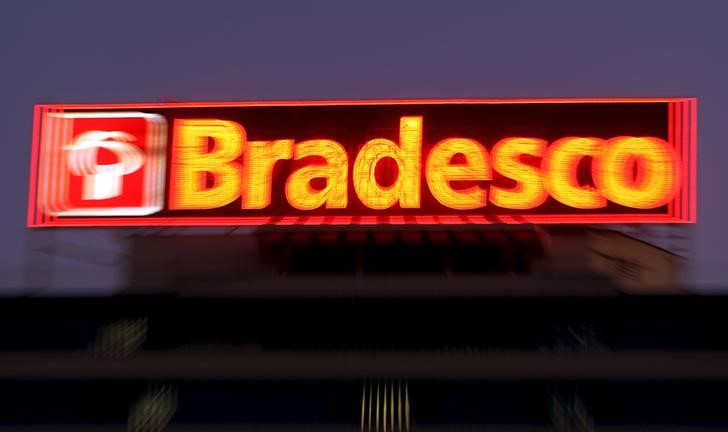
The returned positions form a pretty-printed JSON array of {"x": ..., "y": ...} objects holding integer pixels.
[
  {"x": 561, "y": 162},
  {"x": 396, "y": 162},
  {"x": 192, "y": 162},
  {"x": 259, "y": 162},
  {"x": 116, "y": 171},
  {"x": 406, "y": 188},
  {"x": 441, "y": 171},
  {"x": 529, "y": 191},
  {"x": 103, "y": 181},
  {"x": 657, "y": 175},
  {"x": 301, "y": 194}
]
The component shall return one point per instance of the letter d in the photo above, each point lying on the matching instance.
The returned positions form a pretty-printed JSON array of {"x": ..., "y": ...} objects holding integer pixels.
[{"x": 406, "y": 189}]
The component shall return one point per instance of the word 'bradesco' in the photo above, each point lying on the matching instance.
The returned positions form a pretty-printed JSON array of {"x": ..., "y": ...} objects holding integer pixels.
[{"x": 635, "y": 172}]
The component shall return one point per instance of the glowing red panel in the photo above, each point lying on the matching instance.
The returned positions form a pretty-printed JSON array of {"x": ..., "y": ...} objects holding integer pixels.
[
  {"x": 98, "y": 164},
  {"x": 444, "y": 162}
]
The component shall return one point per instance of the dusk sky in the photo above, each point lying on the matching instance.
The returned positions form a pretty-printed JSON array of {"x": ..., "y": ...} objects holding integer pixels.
[{"x": 144, "y": 51}]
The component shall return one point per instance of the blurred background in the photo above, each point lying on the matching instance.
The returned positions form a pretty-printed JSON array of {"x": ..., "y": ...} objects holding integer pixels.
[{"x": 518, "y": 328}]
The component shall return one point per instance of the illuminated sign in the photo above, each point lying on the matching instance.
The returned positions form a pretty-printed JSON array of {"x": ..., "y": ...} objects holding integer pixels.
[{"x": 365, "y": 162}]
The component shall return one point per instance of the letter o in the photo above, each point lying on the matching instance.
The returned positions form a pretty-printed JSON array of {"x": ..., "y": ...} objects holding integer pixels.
[{"x": 657, "y": 179}]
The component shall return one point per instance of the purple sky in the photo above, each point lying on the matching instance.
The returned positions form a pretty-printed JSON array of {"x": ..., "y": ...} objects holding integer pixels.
[{"x": 138, "y": 51}]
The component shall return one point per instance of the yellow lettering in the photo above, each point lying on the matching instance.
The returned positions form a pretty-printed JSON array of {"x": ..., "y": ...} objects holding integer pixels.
[
  {"x": 529, "y": 191},
  {"x": 259, "y": 160},
  {"x": 657, "y": 175},
  {"x": 440, "y": 172},
  {"x": 406, "y": 189},
  {"x": 560, "y": 171},
  {"x": 192, "y": 163},
  {"x": 299, "y": 192}
]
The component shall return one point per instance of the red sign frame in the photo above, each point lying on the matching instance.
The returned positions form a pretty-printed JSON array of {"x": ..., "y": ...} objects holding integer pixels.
[{"x": 681, "y": 134}]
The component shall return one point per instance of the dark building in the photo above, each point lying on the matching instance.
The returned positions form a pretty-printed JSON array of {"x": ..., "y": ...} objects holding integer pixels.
[{"x": 520, "y": 329}]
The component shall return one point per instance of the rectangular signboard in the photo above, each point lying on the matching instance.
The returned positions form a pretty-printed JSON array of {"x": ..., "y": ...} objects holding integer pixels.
[{"x": 364, "y": 162}]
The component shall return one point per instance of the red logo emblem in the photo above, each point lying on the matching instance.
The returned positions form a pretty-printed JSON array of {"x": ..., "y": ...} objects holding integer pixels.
[{"x": 103, "y": 164}]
